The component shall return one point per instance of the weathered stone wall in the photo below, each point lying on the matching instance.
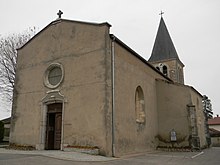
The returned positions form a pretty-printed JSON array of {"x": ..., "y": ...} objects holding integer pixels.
[
  {"x": 215, "y": 141},
  {"x": 83, "y": 51},
  {"x": 130, "y": 72},
  {"x": 174, "y": 67},
  {"x": 172, "y": 113},
  {"x": 175, "y": 103},
  {"x": 197, "y": 101}
]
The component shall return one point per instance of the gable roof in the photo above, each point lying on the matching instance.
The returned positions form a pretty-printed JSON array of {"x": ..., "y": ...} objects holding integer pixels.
[
  {"x": 59, "y": 20},
  {"x": 214, "y": 121},
  {"x": 163, "y": 48}
]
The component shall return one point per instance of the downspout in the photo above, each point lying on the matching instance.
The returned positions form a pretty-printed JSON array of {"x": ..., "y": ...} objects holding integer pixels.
[{"x": 113, "y": 95}]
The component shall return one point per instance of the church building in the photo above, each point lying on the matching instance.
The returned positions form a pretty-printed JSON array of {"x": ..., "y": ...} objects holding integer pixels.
[{"x": 77, "y": 85}]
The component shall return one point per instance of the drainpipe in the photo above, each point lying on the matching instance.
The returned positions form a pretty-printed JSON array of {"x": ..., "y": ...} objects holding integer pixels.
[{"x": 113, "y": 95}]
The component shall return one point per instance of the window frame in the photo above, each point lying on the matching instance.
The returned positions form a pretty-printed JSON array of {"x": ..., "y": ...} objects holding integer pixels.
[{"x": 47, "y": 72}]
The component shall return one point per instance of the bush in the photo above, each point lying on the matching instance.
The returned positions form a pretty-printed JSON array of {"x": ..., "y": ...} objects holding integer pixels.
[{"x": 1, "y": 131}]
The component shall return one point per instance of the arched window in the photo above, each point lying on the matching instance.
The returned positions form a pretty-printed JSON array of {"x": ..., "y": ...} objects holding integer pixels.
[
  {"x": 158, "y": 68},
  {"x": 139, "y": 105},
  {"x": 165, "y": 70}
]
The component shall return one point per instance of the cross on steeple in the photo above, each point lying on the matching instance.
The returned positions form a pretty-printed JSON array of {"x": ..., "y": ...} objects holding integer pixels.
[
  {"x": 59, "y": 13},
  {"x": 161, "y": 13}
]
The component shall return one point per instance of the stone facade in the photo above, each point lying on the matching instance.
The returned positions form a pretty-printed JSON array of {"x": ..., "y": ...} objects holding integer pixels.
[
  {"x": 83, "y": 50},
  {"x": 172, "y": 68},
  {"x": 180, "y": 109},
  {"x": 78, "y": 86},
  {"x": 132, "y": 136}
]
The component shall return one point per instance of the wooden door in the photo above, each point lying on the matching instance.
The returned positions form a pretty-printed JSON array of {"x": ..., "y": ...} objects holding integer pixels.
[
  {"x": 57, "y": 133},
  {"x": 54, "y": 127},
  {"x": 50, "y": 131}
]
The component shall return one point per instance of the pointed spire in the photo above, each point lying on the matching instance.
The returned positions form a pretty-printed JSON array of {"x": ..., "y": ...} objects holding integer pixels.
[{"x": 163, "y": 46}]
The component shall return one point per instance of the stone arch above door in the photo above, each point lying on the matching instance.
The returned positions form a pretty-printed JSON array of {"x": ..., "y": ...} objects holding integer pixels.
[{"x": 53, "y": 96}]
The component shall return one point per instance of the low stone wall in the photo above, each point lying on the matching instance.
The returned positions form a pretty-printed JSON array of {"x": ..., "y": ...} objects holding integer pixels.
[{"x": 215, "y": 141}]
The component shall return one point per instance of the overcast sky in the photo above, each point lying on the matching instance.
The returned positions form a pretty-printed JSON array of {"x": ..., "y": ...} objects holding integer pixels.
[{"x": 194, "y": 26}]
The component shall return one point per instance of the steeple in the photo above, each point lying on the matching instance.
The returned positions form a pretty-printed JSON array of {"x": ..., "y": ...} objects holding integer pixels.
[
  {"x": 163, "y": 46},
  {"x": 164, "y": 55}
]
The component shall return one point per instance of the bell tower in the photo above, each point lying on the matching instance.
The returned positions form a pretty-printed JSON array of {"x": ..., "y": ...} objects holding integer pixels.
[{"x": 164, "y": 56}]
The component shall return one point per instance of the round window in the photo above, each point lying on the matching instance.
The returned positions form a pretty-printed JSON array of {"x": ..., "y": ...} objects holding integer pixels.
[{"x": 53, "y": 75}]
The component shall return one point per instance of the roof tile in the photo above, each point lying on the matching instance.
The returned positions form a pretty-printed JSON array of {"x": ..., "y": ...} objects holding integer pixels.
[{"x": 214, "y": 121}]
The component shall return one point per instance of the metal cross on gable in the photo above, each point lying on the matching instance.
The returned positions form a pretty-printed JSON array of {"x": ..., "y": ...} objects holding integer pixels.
[
  {"x": 161, "y": 13},
  {"x": 59, "y": 13}
]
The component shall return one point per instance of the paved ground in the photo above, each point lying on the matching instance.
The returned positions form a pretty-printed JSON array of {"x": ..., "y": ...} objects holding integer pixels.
[
  {"x": 205, "y": 157},
  {"x": 74, "y": 156}
]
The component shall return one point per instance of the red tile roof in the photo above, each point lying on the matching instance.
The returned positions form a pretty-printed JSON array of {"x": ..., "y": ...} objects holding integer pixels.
[{"x": 214, "y": 121}]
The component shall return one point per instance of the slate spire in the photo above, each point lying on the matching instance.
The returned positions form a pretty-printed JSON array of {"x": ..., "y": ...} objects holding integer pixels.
[
  {"x": 164, "y": 56},
  {"x": 163, "y": 48}
]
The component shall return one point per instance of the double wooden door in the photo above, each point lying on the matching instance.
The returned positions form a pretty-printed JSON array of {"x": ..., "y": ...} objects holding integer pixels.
[{"x": 54, "y": 126}]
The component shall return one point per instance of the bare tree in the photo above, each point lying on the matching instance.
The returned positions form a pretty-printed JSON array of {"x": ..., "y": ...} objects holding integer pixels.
[
  {"x": 207, "y": 107},
  {"x": 8, "y": 57}
]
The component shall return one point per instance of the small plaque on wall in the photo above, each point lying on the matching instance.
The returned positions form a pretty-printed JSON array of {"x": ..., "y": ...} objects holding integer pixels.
[{"x": 173, "y": 136}]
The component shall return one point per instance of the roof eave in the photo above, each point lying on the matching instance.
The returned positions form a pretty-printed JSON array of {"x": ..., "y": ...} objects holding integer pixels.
[{"x": 113, "y": 37}]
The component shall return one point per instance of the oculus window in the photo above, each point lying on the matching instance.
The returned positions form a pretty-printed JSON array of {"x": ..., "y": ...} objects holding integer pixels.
[{"x": 53, "y": 75}]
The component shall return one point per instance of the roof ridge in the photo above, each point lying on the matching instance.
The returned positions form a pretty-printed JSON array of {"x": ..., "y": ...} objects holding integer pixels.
[{"x": 83, "y": 22}]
